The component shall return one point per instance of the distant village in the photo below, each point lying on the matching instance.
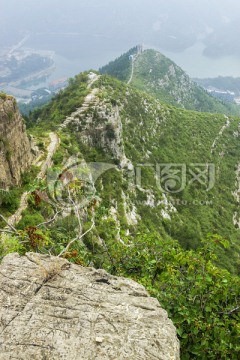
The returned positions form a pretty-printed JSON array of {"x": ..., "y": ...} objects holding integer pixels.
[
  {"x": 53, "y": 88},
  {"x": 227, "y": 96},
  {"x": 21, "y": 70}
]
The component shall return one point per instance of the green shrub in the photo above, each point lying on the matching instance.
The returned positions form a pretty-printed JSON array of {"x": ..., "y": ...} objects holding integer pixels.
[
  {"x": 10, "y": 200},
  {"x": 10, "y": 244},
  {"x": 3, "y": 96},
  {"x": 202, "y": 300},
  {"x": 30, "y": 220}
]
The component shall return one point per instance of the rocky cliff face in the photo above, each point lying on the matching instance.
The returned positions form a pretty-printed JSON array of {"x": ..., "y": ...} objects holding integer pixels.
[
  {"x": 52, "y": 309},
  {"x": 15, "y": 149}
]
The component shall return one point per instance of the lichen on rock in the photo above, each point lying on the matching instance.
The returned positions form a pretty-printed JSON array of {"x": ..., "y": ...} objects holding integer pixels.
[{"x": 52, "y": 309}]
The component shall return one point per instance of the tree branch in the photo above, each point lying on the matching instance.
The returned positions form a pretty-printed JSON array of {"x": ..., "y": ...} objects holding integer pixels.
[
  {"x": 7, "y": 231},
  {"x": 79, "y": 237},
  {"x": 9, "y": 225},
  {"x": 231, "y": 311},
  {"x": 50, "y": 221}
]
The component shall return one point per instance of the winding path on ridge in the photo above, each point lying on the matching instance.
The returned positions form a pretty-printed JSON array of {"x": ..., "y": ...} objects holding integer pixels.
[
  {"x": 133, "y": 63},
  {"x": 54, "y": 142},
  {"x": 236, "y": 194},
  {"x": 225, "y": 126},
  {"x": 89, "y": 99}
]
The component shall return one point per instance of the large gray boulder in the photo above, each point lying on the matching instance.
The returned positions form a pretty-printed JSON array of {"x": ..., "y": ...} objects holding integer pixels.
[{"x": 52, "y": 309}]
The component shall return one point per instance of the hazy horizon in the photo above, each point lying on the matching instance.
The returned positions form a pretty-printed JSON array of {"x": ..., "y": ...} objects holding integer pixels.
[{"x": 201, "y": 36}]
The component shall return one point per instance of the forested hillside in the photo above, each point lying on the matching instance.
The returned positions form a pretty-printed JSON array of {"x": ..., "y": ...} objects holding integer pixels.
[
  {"x": 144, "y": 190},
  {"x": 159, "y": 76}
]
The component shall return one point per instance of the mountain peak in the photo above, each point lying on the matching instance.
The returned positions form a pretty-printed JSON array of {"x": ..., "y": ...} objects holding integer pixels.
[{"x": 152, "y": 72}]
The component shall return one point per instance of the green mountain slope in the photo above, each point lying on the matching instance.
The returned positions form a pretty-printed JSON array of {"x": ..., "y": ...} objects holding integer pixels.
[
  {"x": 128, "y": 128},
  {"x": 121, "y": 67},
  {"x": 148, "y": 191},
  {"x": 159, "y": 76}
]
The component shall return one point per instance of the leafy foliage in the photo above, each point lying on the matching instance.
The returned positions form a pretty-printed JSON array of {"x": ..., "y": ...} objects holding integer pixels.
[
  {"x": 10, "y": 244},
  {"x": 201, "y": 299}
]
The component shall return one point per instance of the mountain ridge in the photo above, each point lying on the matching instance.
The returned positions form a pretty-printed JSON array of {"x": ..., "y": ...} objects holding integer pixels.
[
  {"x": 159, "y": 76},
  {"x": 127, "y": 127},
  {"x": 144, "y": 190}
]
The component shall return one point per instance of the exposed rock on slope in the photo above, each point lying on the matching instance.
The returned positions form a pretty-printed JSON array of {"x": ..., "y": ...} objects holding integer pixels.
[
  {"x": 51, "y": 309},
  {"x": 15, "y": 148}
]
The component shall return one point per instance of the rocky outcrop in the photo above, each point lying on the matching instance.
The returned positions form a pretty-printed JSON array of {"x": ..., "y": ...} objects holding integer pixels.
[
  {"x": 99, "y": 125},
  {"x": 52, "y": 309},
  {"x": 15, "y": 148}
]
